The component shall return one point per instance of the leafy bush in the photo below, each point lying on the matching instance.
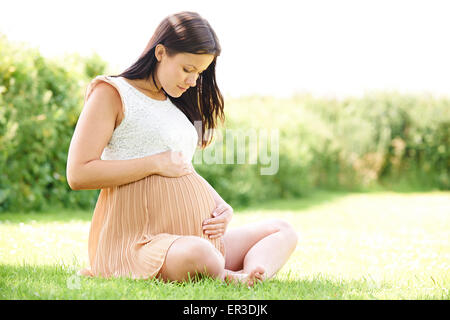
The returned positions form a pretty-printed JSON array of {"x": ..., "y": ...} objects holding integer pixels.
[
  {"x": 382, "y": 138},
  {"x": 39, "y": 107}
]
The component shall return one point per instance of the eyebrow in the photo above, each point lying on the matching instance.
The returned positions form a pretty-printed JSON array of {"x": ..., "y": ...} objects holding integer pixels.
[{"x": 194, "y": 67}]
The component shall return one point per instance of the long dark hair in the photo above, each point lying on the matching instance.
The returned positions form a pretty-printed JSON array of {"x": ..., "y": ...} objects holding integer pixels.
[{"x": 187, "y": 32}]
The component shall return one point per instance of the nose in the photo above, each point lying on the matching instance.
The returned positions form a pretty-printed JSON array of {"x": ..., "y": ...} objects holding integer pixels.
[{"x": 191, "y": 81}]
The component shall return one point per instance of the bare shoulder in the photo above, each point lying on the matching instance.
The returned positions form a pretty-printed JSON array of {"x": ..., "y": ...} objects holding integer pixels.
[
  {"x": 107, "y": 93},
  {"x": 107, "y": 99}
]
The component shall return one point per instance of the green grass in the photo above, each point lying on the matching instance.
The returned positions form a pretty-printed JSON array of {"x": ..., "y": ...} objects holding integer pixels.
[{"x": 352, "y": 246}]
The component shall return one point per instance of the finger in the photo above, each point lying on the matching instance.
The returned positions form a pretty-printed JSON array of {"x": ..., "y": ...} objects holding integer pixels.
[
  {"x": 218, "y": 211},
  {"x": 216, "y": 236},
  {"x": 223, "y": 212},
  {"x": 213, "y": 221},
  {"x": 214, "y": 233},
  {"x": 222, "y": 216},
  {"x": 214, "y": 225}
]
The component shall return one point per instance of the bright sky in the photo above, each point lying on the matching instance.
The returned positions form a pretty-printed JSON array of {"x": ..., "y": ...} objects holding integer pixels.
[{"x": 332, "y": 48}]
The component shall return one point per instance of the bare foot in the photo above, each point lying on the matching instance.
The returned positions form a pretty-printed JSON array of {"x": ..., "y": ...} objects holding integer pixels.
[
  {"x": 85, "y": 272},
  {"x": 249, "y": 279}
]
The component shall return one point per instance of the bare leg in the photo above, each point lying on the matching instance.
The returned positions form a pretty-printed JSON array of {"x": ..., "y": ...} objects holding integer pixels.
[
  {"x": 271, "y": 252},
  {"x": 189, "y": 256},
  {"x": 267, "y": 244},
  {"x": 195, "y": 257}
]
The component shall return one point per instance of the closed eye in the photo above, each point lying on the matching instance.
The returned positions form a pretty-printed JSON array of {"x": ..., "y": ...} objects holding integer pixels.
[{"x": 187, "y": 71}]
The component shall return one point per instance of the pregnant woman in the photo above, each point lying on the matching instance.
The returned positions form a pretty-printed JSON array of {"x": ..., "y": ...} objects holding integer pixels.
[{"x": 135, "y": 139}]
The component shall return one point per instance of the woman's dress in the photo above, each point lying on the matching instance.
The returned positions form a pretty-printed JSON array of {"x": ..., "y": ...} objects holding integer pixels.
[{"x": 134, "y": 225}]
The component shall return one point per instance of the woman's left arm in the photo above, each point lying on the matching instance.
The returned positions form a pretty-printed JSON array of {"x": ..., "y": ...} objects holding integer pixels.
[{"x": 221, "y": 216}]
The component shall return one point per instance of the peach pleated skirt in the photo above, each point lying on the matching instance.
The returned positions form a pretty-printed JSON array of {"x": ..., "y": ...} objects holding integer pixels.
[{"x": 134, "y": 225}]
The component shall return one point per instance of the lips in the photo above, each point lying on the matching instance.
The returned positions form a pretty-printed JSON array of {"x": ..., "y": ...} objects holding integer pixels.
[{"x": 182, "y": 88}]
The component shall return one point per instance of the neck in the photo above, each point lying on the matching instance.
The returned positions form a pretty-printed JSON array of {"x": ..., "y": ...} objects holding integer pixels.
[{"x": 149, "y": 86}]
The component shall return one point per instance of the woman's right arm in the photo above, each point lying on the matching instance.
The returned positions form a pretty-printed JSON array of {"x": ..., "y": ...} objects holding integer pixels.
[{"x": 85, "y": 169}]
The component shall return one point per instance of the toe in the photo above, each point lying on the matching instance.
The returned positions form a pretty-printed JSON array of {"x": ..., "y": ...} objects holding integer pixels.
[{"x": 260, "y": 269}]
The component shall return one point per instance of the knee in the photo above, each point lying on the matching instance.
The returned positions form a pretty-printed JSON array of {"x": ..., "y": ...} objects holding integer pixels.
[
  {"x": 288, "y": 230},
  {"x": 202, "y": 255}
]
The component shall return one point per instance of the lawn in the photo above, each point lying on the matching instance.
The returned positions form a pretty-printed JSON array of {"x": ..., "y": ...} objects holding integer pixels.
[{"x": 352, "y": 246}]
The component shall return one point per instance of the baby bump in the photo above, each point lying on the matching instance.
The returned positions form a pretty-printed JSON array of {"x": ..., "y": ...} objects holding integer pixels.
[{"x": 178, "y": 205}]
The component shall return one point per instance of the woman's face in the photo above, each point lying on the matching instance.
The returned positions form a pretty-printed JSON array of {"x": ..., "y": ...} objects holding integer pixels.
[{"x": 176, "y": 74}]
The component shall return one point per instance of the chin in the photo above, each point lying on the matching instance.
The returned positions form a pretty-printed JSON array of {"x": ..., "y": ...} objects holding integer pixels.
[{"x": 175, "y": 93}]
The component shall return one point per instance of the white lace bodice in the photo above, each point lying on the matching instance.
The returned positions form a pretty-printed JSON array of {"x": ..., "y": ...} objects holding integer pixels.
[{"x": 149, "y": 126}]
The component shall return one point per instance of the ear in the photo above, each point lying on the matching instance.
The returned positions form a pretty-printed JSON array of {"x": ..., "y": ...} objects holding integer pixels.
[{"x": 160, "y": 51}]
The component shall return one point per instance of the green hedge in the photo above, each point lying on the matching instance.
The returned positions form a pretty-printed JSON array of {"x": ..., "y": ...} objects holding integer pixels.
[
  {"x": 40, "y": 101},
  {"x": 383, "y": 139}
]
